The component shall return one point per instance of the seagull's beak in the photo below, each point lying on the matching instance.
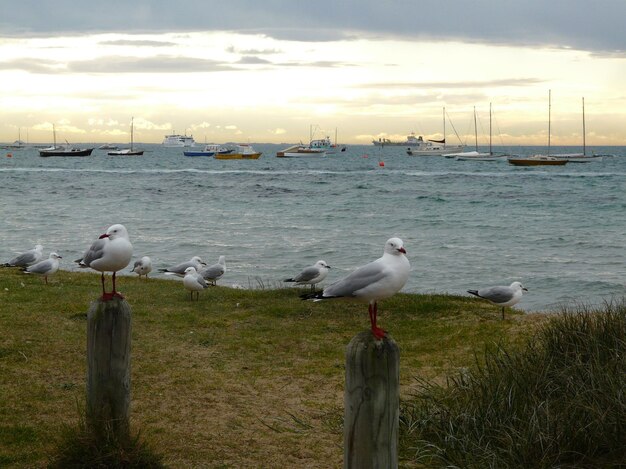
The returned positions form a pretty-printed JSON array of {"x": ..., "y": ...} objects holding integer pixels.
[
  {"x": 402, "y": 250},
  {"x": 525, "y": 289},
  {"x": 103, "y": 236}
]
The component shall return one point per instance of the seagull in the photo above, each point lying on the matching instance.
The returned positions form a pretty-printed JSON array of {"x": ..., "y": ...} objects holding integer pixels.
[
  {"x": 45, "y": 268},
  {"x": 311, "y": 275},
  {"x": 375, "y": 281},
  {"x": 194, "y": 282},
  {"x": 26, "y": 258},
  {"x": 179, "y": 269},
  {"x": 111, "y": 252},
  {"x": 143, "y": 266},
  {"x": 214, "y": 272},
  {"x": 501, "y": 295}
]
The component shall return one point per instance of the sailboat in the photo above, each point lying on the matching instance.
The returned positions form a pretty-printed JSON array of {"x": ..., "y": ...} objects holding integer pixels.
[
  {"x": 476, "y": 155},
  {"x": 65, "y": 150},
  {"x": 127, "y": 151},
  {"x": 433, "y": 147},
  {"x": 580, "y": 157},
  {"x": 541, "y": 160}
]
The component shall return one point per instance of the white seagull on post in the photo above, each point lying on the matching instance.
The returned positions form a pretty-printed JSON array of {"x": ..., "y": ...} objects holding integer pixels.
[
  {"x": 311, "y": 275},
  {"x": 501, "y": 295},
  {"x": 375, "y": 281},
  {"x": 111, "y": 252}
]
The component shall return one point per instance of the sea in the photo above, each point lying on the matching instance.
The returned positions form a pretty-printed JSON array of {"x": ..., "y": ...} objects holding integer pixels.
[{"x": 559, "y": 230}]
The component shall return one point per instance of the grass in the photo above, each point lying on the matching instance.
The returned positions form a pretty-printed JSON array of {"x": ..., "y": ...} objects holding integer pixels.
[
  {"x": 558, "y": 401},
  {"x": 240, "y": 378}
]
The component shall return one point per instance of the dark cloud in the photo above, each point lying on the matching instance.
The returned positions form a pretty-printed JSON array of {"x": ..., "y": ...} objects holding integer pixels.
[{"x": 577, "y": 24}]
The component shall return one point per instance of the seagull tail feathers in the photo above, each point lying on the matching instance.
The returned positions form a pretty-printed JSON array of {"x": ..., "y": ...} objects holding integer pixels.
[{"x": 473, "y": 292}]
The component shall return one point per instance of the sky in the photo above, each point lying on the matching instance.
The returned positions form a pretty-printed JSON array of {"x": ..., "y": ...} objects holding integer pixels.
[{"x": 279, "y": 71}]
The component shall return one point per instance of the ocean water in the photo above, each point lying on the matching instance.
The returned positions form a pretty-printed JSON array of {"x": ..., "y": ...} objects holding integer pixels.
[{"x": 561, "y": 231}]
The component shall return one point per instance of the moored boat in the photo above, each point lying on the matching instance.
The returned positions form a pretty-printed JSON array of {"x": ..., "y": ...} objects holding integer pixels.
[
  {"x": 537, "y": 160},
  {"x": 64, "y": 150},
  {"x": 210, "y": 149},
  {"x": 243, "y": 151},
  {"x": 297, "y": 151},
  {"x": 127, "y": 151},
  {"x": 420, "y": 147}
]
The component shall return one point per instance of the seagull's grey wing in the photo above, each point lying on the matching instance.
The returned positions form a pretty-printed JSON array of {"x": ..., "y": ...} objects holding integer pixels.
[
  {"x": 357, "y": 280},
  {"x": 180, "y": 268},
  {"x": 201, "y": 281},
  {"x": 307, "y": 274},
  {"x": 94, "y": 252},
  {"x": 41, "y": 267},
  {"x": 23, "y": 259},
  {"x": 212, "y": 272},
  {"x": 496, "y": 294}
]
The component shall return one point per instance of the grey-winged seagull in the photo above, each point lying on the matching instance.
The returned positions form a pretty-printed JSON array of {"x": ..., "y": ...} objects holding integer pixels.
[
  {"x": 214, "y": 272},
  {"x": 111, "y": 252},
  {"x": 26, "y": 258},
  {"x": 45, "y": 268},
  {"x": 311, "y": 275},
  {"x": 194, "y": 282},
  {"x": 501, "y": 295},
  {"x": 143, "y": 266},
  {"x": 375, "y": 281},
  {"x": 179, "y": 269}
]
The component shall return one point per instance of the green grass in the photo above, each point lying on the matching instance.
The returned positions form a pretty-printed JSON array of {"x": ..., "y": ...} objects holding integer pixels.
[
  {"x": 240, "y": 378},
  {"x": 559, "y": 401}
]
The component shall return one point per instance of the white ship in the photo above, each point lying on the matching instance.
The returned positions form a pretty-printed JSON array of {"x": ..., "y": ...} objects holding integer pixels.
[{"x": 176, "y": 140}]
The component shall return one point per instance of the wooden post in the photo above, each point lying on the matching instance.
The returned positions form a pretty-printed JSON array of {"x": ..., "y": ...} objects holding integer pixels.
[
  {"x": 108, "y": 367},
  {"x": 372, "y": 403}
]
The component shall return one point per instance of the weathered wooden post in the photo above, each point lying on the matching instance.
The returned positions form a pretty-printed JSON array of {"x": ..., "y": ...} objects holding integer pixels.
[
  {"x": 108, "y": 367},
  {"x": 372, "y": 402}
]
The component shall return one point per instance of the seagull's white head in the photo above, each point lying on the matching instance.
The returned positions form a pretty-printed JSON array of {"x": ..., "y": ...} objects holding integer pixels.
[
  {"x": 115, "y": 231},
  {"x": 38, "y": 247},
  {"x": 190, "y": 270},
  {"x": 518, "y": 286},
  {"x": 222, "y": 260},
  {"x": 394, "y": 246},
  {"x": 54, "y": 255},
  {"x": 322, "y": 264},
  {"x": 198, "y": 259}
]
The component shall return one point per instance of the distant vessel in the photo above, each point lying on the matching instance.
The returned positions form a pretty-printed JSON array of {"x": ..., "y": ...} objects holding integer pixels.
[
  {"x": 108, "y": 146},
  {"x": 411, "y": 141},
  {"x": 433, "y": 147},
  {"x": 127, "y": 151},
  {"x": 176, "y": 140},
  {"x": 476, "y": 155},
  {"x": 210, "y": 149},
  {"x": 315, "y": 148},
  {"x": 65, "y": 150},
  {"x": 580, "y": 157},
  {"x": 243, "y": 151}
]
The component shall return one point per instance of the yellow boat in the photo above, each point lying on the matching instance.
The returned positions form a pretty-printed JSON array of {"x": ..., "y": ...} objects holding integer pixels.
[{"x": 242, "y": 152}]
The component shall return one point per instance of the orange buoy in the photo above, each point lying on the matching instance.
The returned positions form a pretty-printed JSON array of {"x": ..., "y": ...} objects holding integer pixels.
[
  {"x": 364, "y": 155},
  {"x": 381, "y": 164},
  {"x": 9, "y": 155}
]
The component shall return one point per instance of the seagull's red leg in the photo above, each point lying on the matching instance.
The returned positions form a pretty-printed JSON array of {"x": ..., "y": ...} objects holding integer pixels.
[
  {"x": 114, "y": 293},
  {"x": 377, "y": 331}
]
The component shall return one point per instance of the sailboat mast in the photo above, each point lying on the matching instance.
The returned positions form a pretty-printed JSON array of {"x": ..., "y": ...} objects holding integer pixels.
[
  {"x": 444, "y": 126},
  {"x": 490, "y": 150},
  {"x": 475, "y": 131},
  {"x": 131, "y": 133},
  {"x": 549, "y": 118},
  {"x": 584, "y": 132}
]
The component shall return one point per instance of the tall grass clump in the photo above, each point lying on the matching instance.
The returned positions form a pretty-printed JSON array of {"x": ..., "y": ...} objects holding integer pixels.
[
  {"x": 81, "y": 446},
  {"x": 558, "y": 401}
]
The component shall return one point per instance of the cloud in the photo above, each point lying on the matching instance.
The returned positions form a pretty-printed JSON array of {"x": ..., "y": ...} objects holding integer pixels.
[
  {"x": 454, "y": 84},
  {"x": 137, "y": 43},
  {"x": 156, "y": 64},
  {"x": 558, "y": 23}
]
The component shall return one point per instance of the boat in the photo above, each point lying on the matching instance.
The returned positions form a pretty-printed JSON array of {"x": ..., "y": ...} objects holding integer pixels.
[
  {"x": 108, "y": 146},
  {"x": 177, "y": 140},
  {"x": 477, "y": 155},
  {"x": 210, "y": 149},
  {"x": 63, "y": 150},
  {"x": 127, "y": 151},
  {"x": 243, "y": 151},
  {"x": 296, "y": 151},
  {"x": 580, "y": 157},
  {"x": 541, "y": 160},
  {"x": 421, "y": 147},
  {"x": 411, "y": 141},
  {"x": 537, "y": 160}
]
